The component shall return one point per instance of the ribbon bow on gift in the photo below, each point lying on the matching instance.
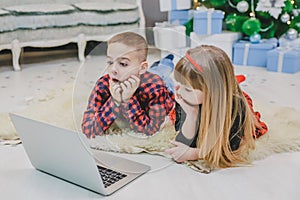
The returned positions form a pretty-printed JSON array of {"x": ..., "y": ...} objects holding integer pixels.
[
  {"x": 286, "y": 43},
  {"x": 282, "y": 51}
]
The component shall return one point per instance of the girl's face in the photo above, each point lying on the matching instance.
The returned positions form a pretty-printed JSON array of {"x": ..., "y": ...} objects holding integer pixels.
[
  {"x": 189, "y": 95},
  {"x": 123, "y": 61}
]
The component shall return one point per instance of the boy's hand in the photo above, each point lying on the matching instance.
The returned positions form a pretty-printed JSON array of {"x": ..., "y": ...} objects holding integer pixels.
[
  {"x": 129, "y": 86},
  {"x": 116, "y": 91}
]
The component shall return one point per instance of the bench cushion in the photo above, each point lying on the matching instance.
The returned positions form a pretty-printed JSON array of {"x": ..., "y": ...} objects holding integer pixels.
[
  {"x": 68, "y": 33},
  {"x": 3, "y": 12},
  {"x": 42, "y": 16},
  {"x": 36, "y": 9},
  {"x": 105, "y": 7}
]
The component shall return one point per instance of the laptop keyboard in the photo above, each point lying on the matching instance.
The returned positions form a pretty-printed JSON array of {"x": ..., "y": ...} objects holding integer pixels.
[{"x": 109, "y": 176}]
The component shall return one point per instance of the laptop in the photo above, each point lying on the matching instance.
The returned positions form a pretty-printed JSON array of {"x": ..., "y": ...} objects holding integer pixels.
[{"x": 65, "y": 154}]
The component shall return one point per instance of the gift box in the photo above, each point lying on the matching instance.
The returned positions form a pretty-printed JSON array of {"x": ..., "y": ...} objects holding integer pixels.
[
  {"x": 246, "y": 53},
  {"x": 208, "y": 21},
  {"x": 168, "y": 36},
  {"x": 180, "y": 16},
  {"x": 167, "y": 5},
  {"x": 285, "y": 60},
  {"x": 224, "y": 40}
]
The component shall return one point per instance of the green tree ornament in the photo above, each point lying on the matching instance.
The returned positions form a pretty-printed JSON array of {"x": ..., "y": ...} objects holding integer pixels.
[{"x": 251, "y": 26}]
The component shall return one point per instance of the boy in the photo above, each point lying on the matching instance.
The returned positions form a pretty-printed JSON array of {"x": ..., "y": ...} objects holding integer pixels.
[{"x": 128, "y": 96}]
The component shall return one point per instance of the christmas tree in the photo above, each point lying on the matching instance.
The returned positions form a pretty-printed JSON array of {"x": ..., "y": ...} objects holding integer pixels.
[{"x": 259, "y": 18}]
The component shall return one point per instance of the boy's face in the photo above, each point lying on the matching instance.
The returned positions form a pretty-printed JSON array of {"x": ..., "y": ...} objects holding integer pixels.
[{"x": 123, "y": 61}]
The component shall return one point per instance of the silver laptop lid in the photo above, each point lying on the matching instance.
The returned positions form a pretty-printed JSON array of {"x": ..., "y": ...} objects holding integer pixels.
[
  {"x": 64, "y": 154},
  {"x": 58, "y": 152}
]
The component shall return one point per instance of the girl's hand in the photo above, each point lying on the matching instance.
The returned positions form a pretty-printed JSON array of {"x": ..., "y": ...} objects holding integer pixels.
[
  {"x": 181, "y": 152},
  {"x": 129, "y": 87},
  {"x": 116, "y": 91}
]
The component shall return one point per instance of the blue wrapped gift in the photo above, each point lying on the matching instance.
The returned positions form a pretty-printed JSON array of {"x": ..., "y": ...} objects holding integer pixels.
[
  {"x": 182, "y": 16},
  {"x": 207, "y": 22},
  {"x": 246, "y": 53},
  {"x": 167, "y": 5},
  {"x": 285, "y": 60}
]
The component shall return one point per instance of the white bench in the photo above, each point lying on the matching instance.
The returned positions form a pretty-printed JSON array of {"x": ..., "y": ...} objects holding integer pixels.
[{"x": 44, "y": 23}]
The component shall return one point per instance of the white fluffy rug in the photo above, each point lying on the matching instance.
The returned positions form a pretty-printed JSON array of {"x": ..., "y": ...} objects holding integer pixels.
[{"x": 56, "y": 108}]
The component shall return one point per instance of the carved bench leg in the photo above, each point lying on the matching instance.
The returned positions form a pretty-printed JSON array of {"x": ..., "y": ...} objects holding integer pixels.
[
  {"x": 81, "y": 47},
  {"x": 16, "y": 52}
]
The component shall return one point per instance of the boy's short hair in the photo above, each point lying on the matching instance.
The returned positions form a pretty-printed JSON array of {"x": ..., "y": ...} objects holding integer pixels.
[{"x": 132, "y": 39}]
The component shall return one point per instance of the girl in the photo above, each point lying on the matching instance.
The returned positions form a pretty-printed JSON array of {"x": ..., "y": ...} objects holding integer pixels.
[{"x": 214, "y": 117}]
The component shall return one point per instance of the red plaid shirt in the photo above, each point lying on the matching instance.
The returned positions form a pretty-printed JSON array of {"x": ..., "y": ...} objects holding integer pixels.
[{"x": 145, "y": 111}]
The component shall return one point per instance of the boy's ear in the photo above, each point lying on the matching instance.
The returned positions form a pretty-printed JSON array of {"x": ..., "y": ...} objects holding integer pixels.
[{"x": 144, "y": 67}]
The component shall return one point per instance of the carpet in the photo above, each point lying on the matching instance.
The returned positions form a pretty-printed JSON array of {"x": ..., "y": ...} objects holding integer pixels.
[{"x": 56, "y": 108}]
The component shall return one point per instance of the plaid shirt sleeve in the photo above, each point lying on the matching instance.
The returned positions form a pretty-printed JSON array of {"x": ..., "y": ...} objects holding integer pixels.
[
  {"x": 261, "y": 127},
  {"x": 146, "y": 116},
  {"x": 101, "y": 110}
]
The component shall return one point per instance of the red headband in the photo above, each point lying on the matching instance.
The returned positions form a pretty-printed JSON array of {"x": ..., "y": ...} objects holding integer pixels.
[{"x": 193, "y": 62}]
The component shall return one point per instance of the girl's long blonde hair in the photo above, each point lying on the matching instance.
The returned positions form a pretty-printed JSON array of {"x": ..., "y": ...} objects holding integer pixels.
[{"x": 223, "y": 103}]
